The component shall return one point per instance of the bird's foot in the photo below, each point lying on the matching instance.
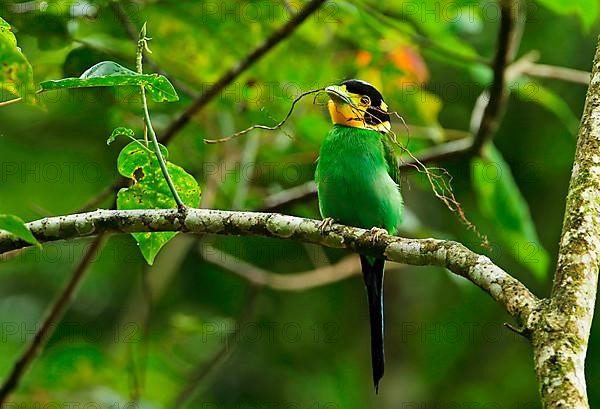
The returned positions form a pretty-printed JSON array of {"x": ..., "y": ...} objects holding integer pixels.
[
  {"x": 377, "y": 233},
  {"x": 325, "y": 224}
]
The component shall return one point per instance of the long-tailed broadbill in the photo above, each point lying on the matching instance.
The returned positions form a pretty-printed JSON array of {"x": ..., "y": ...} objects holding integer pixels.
[{"x": 358, "y": 180}]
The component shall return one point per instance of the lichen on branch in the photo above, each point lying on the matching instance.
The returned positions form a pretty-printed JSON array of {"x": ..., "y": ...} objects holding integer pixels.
[
  {"x": 508, "y": 291},
  {"x": 561, "y": 336}
]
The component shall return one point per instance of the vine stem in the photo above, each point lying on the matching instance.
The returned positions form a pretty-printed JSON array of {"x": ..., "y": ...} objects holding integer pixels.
[
  {"x": 143, "y": 45},
  {"x": 161, "y": 160}
]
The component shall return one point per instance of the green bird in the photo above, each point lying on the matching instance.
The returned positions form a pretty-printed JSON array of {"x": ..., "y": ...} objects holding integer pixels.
[{"x": 358, "y": 179}]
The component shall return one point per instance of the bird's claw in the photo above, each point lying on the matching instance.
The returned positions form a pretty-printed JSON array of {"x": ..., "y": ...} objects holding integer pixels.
[
  {"x": 377, "y": 233},
  {"x": 325, "y": 224}
]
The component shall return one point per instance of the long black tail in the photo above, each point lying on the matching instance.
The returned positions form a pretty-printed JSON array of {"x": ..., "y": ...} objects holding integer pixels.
[{"x": 373, "y": 275}]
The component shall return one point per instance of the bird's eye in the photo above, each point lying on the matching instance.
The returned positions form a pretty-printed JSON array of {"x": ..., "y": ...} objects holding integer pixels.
[{"x": 365, "y": 100}]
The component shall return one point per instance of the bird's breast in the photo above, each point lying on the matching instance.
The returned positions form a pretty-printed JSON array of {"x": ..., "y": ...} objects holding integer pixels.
[{"x": 354, "y": 186}]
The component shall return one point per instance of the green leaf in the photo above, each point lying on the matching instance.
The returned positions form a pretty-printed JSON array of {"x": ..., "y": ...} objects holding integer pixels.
[
  {"x": 6, "y": 35},
  {"x": 150, "y": 191},
  {"x": 16, "y": 75},
  {"x": 532, "y": 91},
  {"x": 14, "y": 225},
  {"x": 111, "y": 74},
  {"x": 500, "y": 200},
  {"x": 118, "y": 132},
  {"x": 586, "y": 10}
]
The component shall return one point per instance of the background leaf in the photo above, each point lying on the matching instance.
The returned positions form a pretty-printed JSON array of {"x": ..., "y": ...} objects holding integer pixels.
[
  {"x": 16, "y": 75},
  {"x": 586, "y": 10},
  {"x": 500, "y": 200},
  {"x": 16, "y": 226},
  {"x": 150, "y": 191},
  {"x": 111, "y": 74},
  {"x": 533, "y": 91}
]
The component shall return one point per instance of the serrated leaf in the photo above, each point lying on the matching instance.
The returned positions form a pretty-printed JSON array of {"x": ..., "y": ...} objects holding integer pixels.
[
  {"x": 111, "y": 74},
  {"x": 150, "y": 191},
  {"x": 16, "y": 75},
  {"x": 14, "y": 225},
  {"x": 118, "y": 132},
  {"x": 500, "y": 200}
]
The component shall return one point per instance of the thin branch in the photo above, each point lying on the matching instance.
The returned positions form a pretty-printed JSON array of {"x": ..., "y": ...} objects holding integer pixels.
[
  {"x": 505, "y": 289},
  {"x": 11, "y": 101},
  {"x": 434, "y": 133},
  {"x": 491, "y": 104},
  {"x": 265, "y": 127},
  {"x": 308, "y": 190},
  {"x": 440, "y": 152},
  {"x": 282, "y": 33},
  {"x": 54, "y": 315},
  {"x": 505, "y": 47},
  {"x": 288, "y": 197},
  {"x": 347, "y": 267},
  {"x": 559, "y": 73},
  {"x": 527, "y": 65}
]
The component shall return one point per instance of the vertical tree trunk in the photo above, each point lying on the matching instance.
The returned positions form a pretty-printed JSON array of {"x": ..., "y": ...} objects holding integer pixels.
[{"x": 561, "y": 329}]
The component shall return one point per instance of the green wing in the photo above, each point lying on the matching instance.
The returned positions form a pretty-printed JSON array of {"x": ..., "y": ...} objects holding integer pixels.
[{"x": 392, "y": 159}]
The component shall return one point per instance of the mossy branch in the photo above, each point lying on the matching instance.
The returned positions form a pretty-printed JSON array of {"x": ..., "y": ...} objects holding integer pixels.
[
  {"x": 508, "y": 291},
  {"x": 561, "y": 335}
]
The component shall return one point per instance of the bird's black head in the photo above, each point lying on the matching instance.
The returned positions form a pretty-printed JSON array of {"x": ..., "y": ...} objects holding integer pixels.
[
  {"x": 377, "y": 111},
  {"x": 358, "y": 104}
]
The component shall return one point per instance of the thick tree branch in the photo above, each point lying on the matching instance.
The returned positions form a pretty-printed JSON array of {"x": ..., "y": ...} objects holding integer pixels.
[
  {"x": 561, "y": 336},
  {"x": 508, "y": 291}
]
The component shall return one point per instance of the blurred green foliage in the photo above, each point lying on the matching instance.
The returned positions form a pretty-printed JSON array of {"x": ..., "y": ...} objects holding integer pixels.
[
  {"x": 499, "y": 198},
  {"x": 15, "y": 74},
  {"x": 446, "y": 345}
]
